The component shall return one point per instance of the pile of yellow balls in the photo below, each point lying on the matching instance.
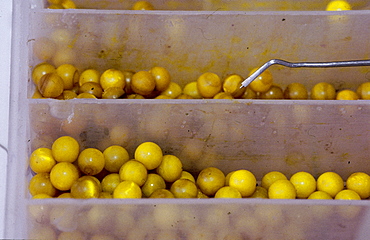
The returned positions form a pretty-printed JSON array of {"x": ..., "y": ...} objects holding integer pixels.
[
  {"x": 334, "y": 5},
  {"x": 61, "y": 4},
  {"x": 70, "y": 4},
  {"x": 66, "y": 82},
  {"x": 64, "y": 171}
]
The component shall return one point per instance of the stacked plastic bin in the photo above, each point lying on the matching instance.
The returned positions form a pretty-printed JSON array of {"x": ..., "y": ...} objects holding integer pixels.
[{"x": 189, "y": 38}]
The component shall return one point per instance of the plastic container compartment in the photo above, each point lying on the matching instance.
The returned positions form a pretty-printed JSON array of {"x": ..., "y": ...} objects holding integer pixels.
[
  {"x": 218, "y": 5},
  {"x": 258, "y": 135}
]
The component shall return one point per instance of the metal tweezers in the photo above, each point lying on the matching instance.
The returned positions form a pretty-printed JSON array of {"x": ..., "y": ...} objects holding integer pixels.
[{"x": 351, "y": 63}]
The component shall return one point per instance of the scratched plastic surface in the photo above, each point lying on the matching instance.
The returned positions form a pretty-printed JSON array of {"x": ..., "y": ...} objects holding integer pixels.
[{"x": 261, "y": 136}]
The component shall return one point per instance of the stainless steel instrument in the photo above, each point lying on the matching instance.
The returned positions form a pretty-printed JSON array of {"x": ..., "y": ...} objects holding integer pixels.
[{"x": 351, "y": 63}]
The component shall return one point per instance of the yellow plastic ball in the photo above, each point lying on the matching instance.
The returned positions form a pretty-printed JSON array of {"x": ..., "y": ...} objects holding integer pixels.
[
  {"x": 320, "y": 195},
  {"x": 112, "y": 78},
  {"x": 184, "y": 188},
  {"x": 347, "y": 194},
  {"x": 152, "y": 183},
  {"x": 127, "y": 189},
  {"x": 304, "y": 183},
  {"x": 149, "y": 154},
  {"x": 142, "y": 5},
  {"x": 115, "y": 156},
  {"x": 338, "y": 5},
  {"x": 134, "y": 171},
  {"x": 282, "y": 189},
  {"x": 347, "y": 95},
  {"x": 63, "y": 175},
  {"x": 263, "y": 82},
  {"x": 244, "y": 181},
  {"x": 162, "y": 78},
  {"x": 323, "y": 91},
  {"x": 65, "y": 149},
  {"x": 42, "y": 160},
  {"x": 209, "y": 84},
  {"x": 86, "y": 187},
  {"x": 170, "y": 168},
  {"x": 270, "y": 177},
  {"x": 110, "y": 182},
  {"x": 330, "y": 182},
  {"x": 232, "y": 84},
  {"x": 91, "y": 161},
  {"x": 210, "y": 180},
  {"x": 41, "y": 184},
  {"x": 360, "y": 183},
  {"x": 228, "y": 192}
]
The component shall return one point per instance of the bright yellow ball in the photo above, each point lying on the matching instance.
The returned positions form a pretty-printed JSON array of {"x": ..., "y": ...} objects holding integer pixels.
[
  {"x": 152, "y": 183},
  {"x": 41, "y": 196},
  {"x": 210, "y": 180},
  {"x": 89, "y": 75},
  {"x": 65, "y": 149},
  {"x": 360, "y": 183},
  {"x": 172, "y": 91},
  {"x": 263, "y": 82},
  {"x": 115, "y": 156},
  {"x": 149, "y": 154},
  {"x": 133, "y": 171},
  {"x": 91, "y": 161},
  {"x": 162, "y": 193},
  {"x": 170, "y": 168},
  {"x": 323, "y": 91},
  {"x": 63, "y": 175},
  {"x": 330, "y": 182},
  {"x": 42, "y": 160},
  {"x": 110, "y": 182},
  {"x": 209, "y": 84},
  {"x": 127, "y": 189},
  {"x": 223, "y": 95},
  {"x": 320, "y": 195},
  {"x": 184, "y": 188},
  {"x": 191, "y": 89},
  {"x": 112, "y": 78},
  {"x": 244, "y": 181},
  {"x": 282, "y": 189},
  {"x": 69, "y": 74},
  {"x": 86, "y": 187},
  {"x": 363, "y": 91},
  {"x": 304, "y": 183},
  {"x": 228, "y": 192},
  {"x": 142, "y": 5},
  {"x": 338, "y": 5},
  {"x": 232, "y": 84},
  {"x": 162, "y": 78},
  {"x": 347, "y": 95},
  {"x": 41, "y": 184},
  {"x": 347, "y": 194},
  {"x": 270, "y": 177}
]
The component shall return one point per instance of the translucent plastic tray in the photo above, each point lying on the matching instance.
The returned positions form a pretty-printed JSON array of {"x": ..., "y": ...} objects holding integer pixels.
[
  {"x": 258, "y": 135},
  {"x": 217, "y": 5}
]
